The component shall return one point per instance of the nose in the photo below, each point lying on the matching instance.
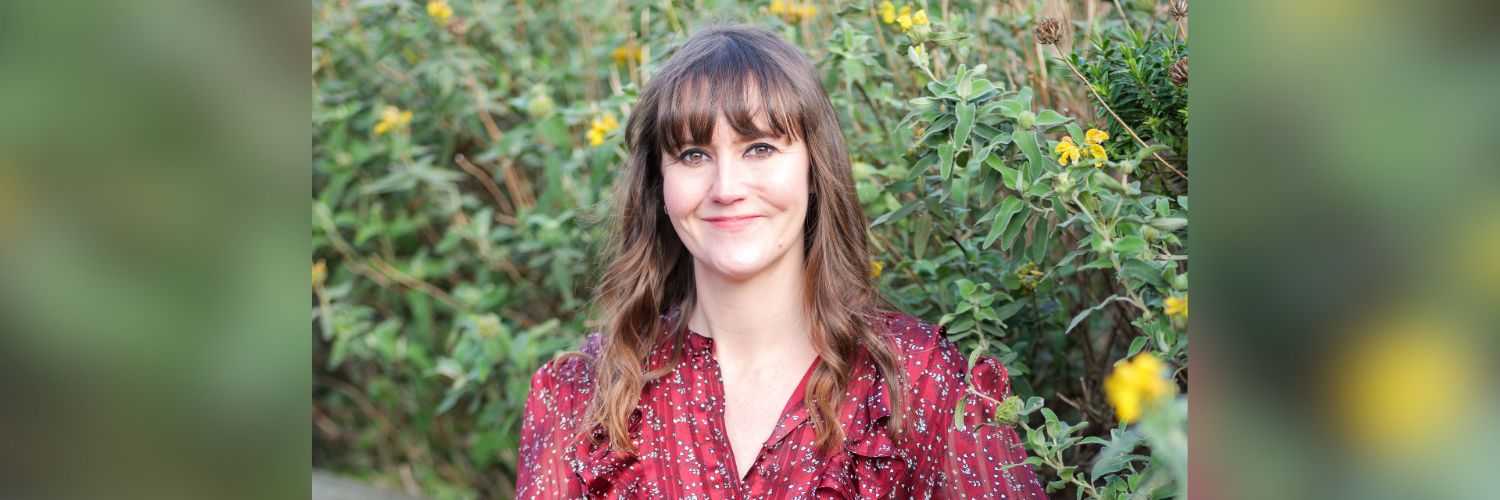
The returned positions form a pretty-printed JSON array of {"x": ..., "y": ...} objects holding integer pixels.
[{"x": 731, "y": 182}]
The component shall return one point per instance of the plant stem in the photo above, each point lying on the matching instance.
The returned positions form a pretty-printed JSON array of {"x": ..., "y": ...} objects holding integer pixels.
[
  {"x": 1111, "y": 111},
  {"x": 1126, "y": 16}
]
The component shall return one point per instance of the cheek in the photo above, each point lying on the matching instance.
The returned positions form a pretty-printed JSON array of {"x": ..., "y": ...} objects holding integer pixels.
[
  {"x": 680, "y": 194},
  {"x": 788, "y": 187}
]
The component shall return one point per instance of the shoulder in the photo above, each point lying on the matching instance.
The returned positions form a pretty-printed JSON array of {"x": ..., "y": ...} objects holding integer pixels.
[
  {"x": 937, "y": 372},
  {"x": 922, "y": 347},
  {"x": 569, "y": 373}
]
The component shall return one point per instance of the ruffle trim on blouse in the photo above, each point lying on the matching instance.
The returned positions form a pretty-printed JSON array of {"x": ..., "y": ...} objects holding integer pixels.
[
  {"x": 598, "y": 464},
  {"x": 868, "y": 467}
]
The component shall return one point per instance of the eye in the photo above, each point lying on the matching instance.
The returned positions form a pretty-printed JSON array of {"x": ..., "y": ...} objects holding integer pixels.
[
  {"x": 760, "y": 150},
  {"x": 692, "y": 157}
]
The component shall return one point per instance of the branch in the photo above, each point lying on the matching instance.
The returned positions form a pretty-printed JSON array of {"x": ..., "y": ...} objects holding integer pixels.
[{"x": 1111, "y": 111}]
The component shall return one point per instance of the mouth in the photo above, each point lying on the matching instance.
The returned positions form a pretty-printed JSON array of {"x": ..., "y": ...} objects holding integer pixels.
[{"x": 732, "y": 223}]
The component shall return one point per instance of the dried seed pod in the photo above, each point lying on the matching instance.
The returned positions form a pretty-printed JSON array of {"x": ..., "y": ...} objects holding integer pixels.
[
  {"x": 1177, "y": 9},
  {"x": 1179, "y": 72},
  {"x": 1048, "y": 31}
]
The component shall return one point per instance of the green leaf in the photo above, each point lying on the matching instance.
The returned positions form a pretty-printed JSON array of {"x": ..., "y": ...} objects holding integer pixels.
[
  {"x": 1008, "y": 210},
  {"x": 965, "y": 114},
  {"x": 1169, "y": 224},
  {"x": 1135, "y": 346},
  {"x": 919, "y": 168},
  {"x": 1130, "y": 245},
  {"x": 924, "y": 232},
  {"x": 1015, "y": 229},
  {"x": 1012, "y": 107},
  {"x": 1145, "y": 271},
  {"x": 966, "y": 287},
  {"x": 1011, "y": 177},
  {"x": 1006, "y": 311},
  {"x": 1068, "y": 259},
  {"x": 945, "y": 160},
  {"x": 1049, "y": 118},
  {"x": 1027, "y": 141},
  {"x": 918, "y": 56},
  {"x": 1078, "y": 318},
  {"x": 898, "y": 214},
  {"x": 1076, "y": 132},
  {"x": 959, "y": 188},
  {"x": 1116, "y": 454},
  {"x": 977, "y": 159},
  {"x": 854, "y": 70},
  {"x": 979, "y": 86},
  {"x": 937, "y": 127}
]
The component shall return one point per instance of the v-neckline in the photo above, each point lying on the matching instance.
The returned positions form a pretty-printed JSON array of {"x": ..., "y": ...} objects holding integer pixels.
[{"x": 792, "y": 414}]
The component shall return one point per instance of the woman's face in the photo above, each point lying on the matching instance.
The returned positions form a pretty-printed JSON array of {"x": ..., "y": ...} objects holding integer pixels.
[{"x": 738, "y": 204}]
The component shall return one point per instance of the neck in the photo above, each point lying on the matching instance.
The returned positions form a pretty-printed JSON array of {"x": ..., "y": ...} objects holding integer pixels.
[{"x": 760, "y": 319}]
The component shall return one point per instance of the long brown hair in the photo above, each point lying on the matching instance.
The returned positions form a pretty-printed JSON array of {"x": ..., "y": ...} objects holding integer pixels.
[{"x": 740, "y": 73}]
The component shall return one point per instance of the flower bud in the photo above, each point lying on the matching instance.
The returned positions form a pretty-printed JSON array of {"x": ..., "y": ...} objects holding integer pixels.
[
  {"x": 1062, "y": 183},
  {"x": 540, "y": 106},
  {"x": 1026, "y": 119},
  {"x": 1180, "y": 282},
  {"x": 1150, "y": 233}
]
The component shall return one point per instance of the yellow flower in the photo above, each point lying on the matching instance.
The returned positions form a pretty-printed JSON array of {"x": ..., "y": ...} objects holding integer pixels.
[
  {"x": 1404, "y": 387},
  {"x": 807, "y": 11},
  {"x": 1136, "y": 385},
  {"x": 920, "y": 18},
  {"x": 624, "y": 54},
  {"x": 1067, "y": 151},
  {"x": 875, "y": 268},
  {"x": 1098, "y": 152},
  {"x": 392, "y": 118},
  {"x": 904, "y": 18},
  {"x": 887, "y": 12},
  {"x": 439, "y": 10},
  {"x": 319, "y": 273},
  {"x": 792, "y": 12},
  {"x": 601, "y": 127},
  {"x": 1095, "y": 136},
  {"x": 1029, "y": 275},
  {"x": 1176, "y": 307}
]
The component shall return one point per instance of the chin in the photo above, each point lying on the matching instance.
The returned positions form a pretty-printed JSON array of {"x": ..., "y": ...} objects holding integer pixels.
[{"x": 741, "y": 267}]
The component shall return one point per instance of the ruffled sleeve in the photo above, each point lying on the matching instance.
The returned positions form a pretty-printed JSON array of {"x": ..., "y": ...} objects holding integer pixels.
[
  {"x": 554, "y": 408},
  {"x": 984, "y": 459},
  {"x": 980, "y": 459}
]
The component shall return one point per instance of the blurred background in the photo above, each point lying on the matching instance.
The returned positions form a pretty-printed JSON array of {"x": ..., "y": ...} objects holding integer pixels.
[
  {"x": 153, "y": 240},
  {"x": 1347, "y": 257},
  {"x": 155, "y": 232}
]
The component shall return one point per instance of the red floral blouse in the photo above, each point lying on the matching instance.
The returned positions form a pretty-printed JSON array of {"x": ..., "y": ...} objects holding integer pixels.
[{"x": 684, "y": 452}]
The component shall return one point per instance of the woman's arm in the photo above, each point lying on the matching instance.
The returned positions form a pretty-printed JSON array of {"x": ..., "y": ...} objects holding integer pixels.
[
  {"x": 544, "y": 469},
  {"x": 985, "y": 459}
]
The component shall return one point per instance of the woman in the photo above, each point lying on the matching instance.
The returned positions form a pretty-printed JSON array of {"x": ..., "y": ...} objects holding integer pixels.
[{"x": 744, "y": 353}]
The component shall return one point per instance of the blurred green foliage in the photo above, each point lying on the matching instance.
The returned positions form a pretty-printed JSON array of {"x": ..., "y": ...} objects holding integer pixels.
[{"x": 462, "y": 149}]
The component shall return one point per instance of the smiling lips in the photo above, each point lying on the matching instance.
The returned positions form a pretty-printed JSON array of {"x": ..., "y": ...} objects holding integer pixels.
[{"x": 733, "y": 223}]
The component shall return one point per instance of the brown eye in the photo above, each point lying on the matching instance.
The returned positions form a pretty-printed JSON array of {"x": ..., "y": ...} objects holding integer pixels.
[
  {"x": 692, "y": 157},
  {"x": 760, "y": 150}
]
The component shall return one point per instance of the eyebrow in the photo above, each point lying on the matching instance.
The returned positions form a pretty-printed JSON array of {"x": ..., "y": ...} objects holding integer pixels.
[{"x": 742, "y": 140}]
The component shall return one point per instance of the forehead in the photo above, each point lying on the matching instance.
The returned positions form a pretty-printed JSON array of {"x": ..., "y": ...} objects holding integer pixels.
[
  {"x": 726, "y": 133},
  {"x": 710, "y": 107}
]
